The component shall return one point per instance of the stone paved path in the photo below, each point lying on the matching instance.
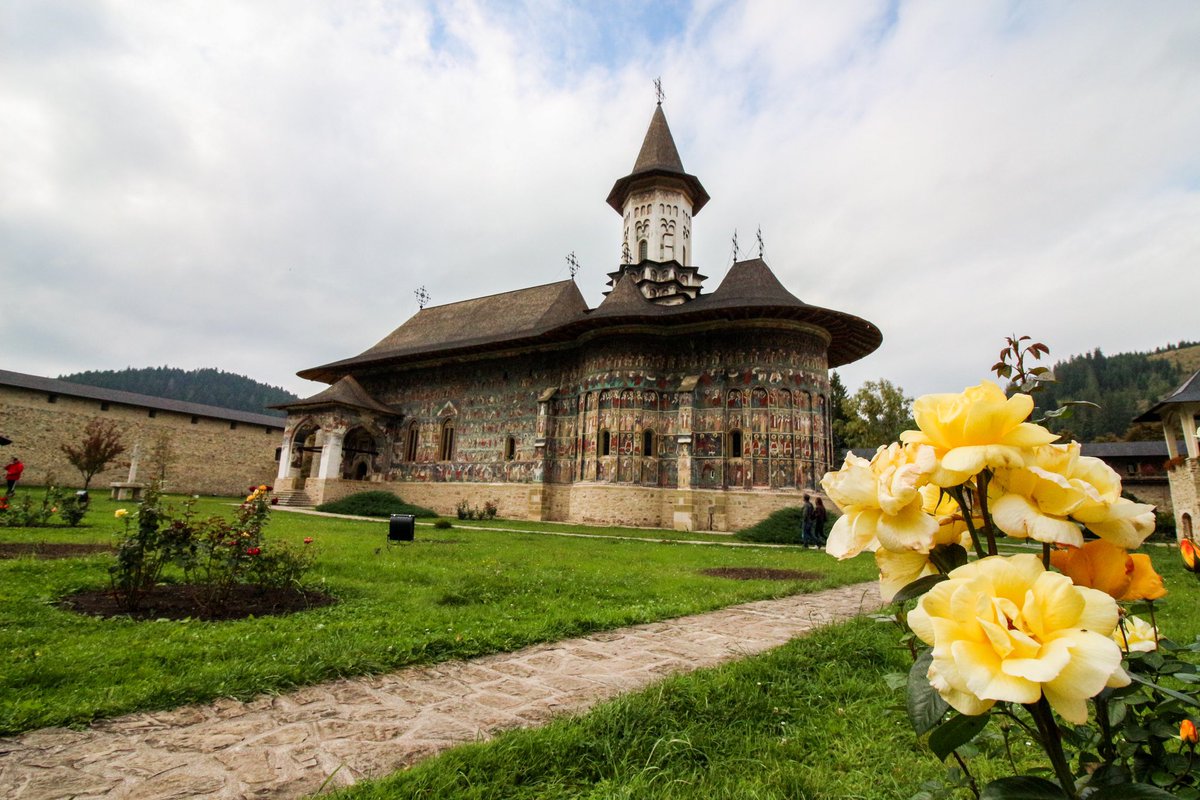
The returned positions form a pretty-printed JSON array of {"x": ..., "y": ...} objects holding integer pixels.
[{"x": 287, "y": 746}]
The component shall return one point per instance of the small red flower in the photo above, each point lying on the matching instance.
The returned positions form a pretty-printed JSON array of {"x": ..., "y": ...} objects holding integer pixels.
[
  {"x": 253, "y": 551},
  {"x": 308, "y": 540},
  {"x": 274, "y": 501}
]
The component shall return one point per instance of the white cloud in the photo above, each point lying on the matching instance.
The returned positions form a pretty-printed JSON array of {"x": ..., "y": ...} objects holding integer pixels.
[{"x": 260, "y": 187}]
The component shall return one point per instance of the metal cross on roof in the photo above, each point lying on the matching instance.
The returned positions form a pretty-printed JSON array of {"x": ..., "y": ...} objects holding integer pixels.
[
  {"x": 735, "y": 246},
  {"x": 758, "y": 235},
  {"x": 658, "y": 92},
  {"x": 572, "y": 264},
  {"x": 422, "y": 297}
]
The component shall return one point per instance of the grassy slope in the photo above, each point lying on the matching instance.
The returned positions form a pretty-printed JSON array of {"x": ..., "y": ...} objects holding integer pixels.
[
  {"x": 452, "y": 593},
  {"x": 1187, "y": 359},
  {"x": 813, "y": 719}
]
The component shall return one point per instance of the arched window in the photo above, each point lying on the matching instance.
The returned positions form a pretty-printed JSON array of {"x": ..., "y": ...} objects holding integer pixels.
[
  {"x": 643, "y": 250},
  {"x": 1187, "y": 525},
  {"x": 683, "y": 255},
  {"x": 648, "y": 448},
  {"x": 605, "y": 443},
  {"x": 735, "y": 443},
  {"x": 410, "y": 445},
  {"x": 510, "y": 448},
  {"x": 447, "y": 450}
]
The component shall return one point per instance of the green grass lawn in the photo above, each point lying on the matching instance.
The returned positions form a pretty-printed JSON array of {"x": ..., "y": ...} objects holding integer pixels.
[
  {"x": 452, "y": 593},
  {"x": 813, "y": 719}
]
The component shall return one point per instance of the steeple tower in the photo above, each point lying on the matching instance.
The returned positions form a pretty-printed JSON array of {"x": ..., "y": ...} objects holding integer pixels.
[{"x": 657, "y": 201}]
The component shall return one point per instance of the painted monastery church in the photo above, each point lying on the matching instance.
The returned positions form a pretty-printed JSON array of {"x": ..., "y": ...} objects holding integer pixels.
[{"x": 668, "y": 405}]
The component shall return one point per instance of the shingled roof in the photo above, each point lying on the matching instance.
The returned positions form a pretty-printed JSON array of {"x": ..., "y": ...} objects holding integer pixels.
[
  {"x": 1188, "y": 392},
  {"x": 658, "y": 158},
  {"x": 54, "y": 386},
  {"x": 507, "y": 317},
  {"x": 556, "y": 312},
  {"x": 346, "y": 392}
]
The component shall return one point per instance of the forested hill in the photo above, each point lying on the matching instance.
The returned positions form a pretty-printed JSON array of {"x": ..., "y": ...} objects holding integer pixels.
[
  {"x": 1123, "y": 385},
  {"x": 211, "y": 387}
]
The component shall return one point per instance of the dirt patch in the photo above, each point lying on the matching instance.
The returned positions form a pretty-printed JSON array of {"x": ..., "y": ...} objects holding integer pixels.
[
  {"x": 51, "y": 549},
  {"x": 761, "y": 574},
  {"x": 180, "y": 601}
]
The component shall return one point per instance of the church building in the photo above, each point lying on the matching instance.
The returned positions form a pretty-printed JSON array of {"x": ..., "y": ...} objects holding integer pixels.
[{"x": 668, "y": 405}]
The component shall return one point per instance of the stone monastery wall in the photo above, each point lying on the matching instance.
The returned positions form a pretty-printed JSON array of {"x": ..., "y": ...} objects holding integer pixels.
[{"x": 208, "y": 456}]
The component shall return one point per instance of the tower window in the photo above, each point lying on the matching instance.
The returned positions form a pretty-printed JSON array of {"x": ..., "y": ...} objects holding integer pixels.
[
  {"x": 447, "y": 440},
  {"x": 648, "y": 442},
  {"x": 510, "y": 448},
  {"x": 735, "y": 444},
  {"x": 643, "y": 250},
  {"x": 605, "y": 443},
  {"x": 410, "y": 446}
]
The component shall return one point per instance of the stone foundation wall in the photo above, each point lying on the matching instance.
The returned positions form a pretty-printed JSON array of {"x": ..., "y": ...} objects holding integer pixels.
[{"x": 206, "y": 456}]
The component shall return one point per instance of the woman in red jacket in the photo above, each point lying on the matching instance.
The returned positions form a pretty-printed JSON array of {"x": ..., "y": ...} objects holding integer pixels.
[{"x": 12, "y": 473}]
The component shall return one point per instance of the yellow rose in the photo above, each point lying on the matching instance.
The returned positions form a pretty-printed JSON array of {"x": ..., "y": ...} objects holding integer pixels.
[
  {"x": 120, "y": 512},
  {"x": 1135, "y": 635},
  {"x": 1146, "y": 584},
  {"x": 975, "y": 429},
  {"x": 1056, "y": 489},
  {"x": 1006, "y": 629},
  {"x": 897, "y": 569},
  {"x": 881, "y": 502}
]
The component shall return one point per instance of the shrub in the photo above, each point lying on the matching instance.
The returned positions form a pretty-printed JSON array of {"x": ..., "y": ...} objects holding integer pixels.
[
  {"x": 467, "y": 511},
  {"x": 24, "y": 512},
  {"x": 782, "y": 527},
  {"x": 442, "y": 524},
  {"x": 374, "y": 504}
]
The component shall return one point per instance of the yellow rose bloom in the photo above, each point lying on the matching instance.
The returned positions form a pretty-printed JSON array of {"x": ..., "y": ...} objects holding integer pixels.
[
  {"x": 898, "y": 568},
  {"x": 1006, "y": 629},
  {"x": 1135, "y": 635},
  {"x": 975, "y": 429},
  {"x": 1057, "y": 489},
  {"x": 120, "y": 512},
  {"x": 881, "y": 503}
]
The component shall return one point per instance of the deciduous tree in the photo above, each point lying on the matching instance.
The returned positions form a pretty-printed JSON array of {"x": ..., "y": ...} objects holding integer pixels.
[
  {"x": 101, "y": 444},
  {"x": 876, "y": 414}
]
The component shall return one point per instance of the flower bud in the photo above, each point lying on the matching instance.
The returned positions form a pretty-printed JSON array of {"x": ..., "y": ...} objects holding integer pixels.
[
  {"x": 1187, "y": 732},
  {"x": 1188, "y": 551}
]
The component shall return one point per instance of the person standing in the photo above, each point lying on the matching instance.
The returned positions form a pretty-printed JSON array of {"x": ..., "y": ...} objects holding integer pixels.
[
  {"x": 12, "y": 474},
  {"x": 807, "y": 524},
  {"x": 819, "y": 516}
]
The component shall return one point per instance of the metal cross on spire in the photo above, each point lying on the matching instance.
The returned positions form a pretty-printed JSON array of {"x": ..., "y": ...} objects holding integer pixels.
[
  {"x": 735, "y": 246},
  {"x": 758, "y": 235},
  {"x": 658, "y": 92},
  {"x": 572, "y": 264},
  {"x": 422, "y": 297}
]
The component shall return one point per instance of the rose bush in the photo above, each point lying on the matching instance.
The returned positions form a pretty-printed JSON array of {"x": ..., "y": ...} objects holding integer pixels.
[{"x": 1038, "y": 637}]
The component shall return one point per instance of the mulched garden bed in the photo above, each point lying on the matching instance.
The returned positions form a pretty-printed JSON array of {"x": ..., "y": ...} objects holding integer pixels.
[
  {"x": 51, "y": 549},
  {"x": 761, "y": 574},
  {"x": 178, "y": 601}
]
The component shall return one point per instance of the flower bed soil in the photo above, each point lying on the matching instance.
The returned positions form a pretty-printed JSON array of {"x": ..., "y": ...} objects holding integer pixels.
[
  {"x": 51, "y": 549},
  {"x": 761, "y": 574},
  {"x": 179, "y": 601}
]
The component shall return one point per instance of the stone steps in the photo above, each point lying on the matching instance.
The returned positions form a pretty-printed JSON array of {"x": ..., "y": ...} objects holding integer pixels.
[{"x": 293, "y": 498}]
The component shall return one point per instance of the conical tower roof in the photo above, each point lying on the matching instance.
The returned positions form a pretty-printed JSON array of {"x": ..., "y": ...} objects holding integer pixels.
[{"x": 658, "y": 160}]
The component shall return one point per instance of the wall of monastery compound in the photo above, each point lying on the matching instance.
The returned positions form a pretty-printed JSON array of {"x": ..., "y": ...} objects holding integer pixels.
[{"x": 207, "y": 456}]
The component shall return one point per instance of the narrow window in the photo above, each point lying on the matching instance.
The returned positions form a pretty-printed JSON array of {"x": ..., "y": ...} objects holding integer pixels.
[
  {"x": 605, "y": 443},
  {"x": 735, "y": 444},
  {"x": 153, "y": 413},
  {"x": 447, "y": 440},
  {"x": 195, "y": 420},
  {"x": 278, "y": 453},
  {"x": 648, "y": 443},
  {"x": 510, "y": 448},
  {"x": 104, "y": 406},
  {"x": 233, "y": 426},
  {"x": 643, "y": 251},
  {"x": 410, "y": 449},
  {"x": 51, "y": 398}
]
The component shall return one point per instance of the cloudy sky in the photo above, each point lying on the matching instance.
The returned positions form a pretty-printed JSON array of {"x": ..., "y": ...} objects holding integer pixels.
[{"x": 261, "y": 186}]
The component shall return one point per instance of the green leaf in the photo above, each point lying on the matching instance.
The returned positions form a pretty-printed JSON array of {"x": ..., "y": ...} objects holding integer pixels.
[
  {"x": 1169, "y": 692},
  {"x": 917, "y": 588},
  {"x": 1022, "y": 787},
  {"x": 956, "y": 732},
  {"x": 1130, "y": 791},
  {"x": 925, "y": 706}
]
